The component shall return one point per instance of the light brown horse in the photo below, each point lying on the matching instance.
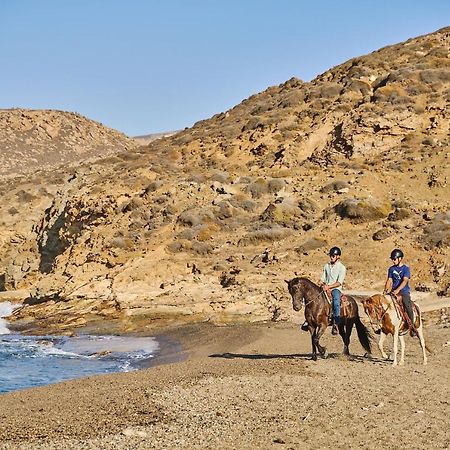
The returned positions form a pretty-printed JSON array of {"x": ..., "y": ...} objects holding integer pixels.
[
  {"x": 317, "y": 311},
  {"x": 385, "y": 319}
]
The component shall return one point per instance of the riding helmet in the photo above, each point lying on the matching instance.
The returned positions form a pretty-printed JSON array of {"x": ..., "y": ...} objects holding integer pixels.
[
  {"x": 334, "y": 251},
  {"x": 396, "y": 253}
]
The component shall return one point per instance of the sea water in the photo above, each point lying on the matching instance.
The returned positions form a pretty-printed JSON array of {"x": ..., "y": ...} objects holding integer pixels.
[{"x": 29, "y": 361}]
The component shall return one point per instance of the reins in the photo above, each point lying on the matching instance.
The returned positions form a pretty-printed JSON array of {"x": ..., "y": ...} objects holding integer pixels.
[
  {"x": 379, "y": 319},
  {"x": 321, "y": 292}
]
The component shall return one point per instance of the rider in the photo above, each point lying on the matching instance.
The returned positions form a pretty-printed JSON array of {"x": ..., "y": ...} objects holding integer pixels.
[
  {"x": 332, "y": 279},
  {"x": 397, "y": 282}
]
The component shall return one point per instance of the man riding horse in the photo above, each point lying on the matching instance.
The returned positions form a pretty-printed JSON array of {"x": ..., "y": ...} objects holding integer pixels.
[
  {"x": 397, "y": 283},
  {"x": 332, "y": 279}
]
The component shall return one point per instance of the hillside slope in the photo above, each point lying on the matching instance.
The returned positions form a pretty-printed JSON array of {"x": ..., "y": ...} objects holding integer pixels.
[
  {"x": 43, "y": 139},
  {"x": 206, "y": 224}
]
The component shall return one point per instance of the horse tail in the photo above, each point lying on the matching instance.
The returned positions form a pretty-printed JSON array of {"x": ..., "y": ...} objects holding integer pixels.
[{"x": 363, "y": 335}]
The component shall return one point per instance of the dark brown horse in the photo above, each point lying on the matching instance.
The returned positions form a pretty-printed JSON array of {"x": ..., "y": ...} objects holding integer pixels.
[{"x": 317, "y": 311}]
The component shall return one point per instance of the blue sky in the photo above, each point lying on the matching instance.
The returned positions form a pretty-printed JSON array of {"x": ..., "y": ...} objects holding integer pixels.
[{"x": 159, "y": 65}]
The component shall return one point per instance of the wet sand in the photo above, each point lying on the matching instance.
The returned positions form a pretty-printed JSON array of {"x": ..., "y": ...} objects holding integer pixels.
[{"x": 246, "y": 387}]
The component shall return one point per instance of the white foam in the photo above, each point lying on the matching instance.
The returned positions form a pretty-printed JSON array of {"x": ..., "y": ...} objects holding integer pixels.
[
  {"x": 6, "y": 309},
  {"x": 92, "y": 345}
]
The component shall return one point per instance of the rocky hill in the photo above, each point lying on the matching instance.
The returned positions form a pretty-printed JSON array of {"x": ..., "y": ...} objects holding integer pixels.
[
  {"x": 45, "y": 139},
  {"x": 206, "y": 224}
]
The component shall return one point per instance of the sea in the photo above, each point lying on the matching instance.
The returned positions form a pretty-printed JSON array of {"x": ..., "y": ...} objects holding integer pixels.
[{"x": 30, "y": 361}]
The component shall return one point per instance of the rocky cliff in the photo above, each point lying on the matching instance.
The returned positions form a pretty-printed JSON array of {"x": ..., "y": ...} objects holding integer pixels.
[{"x": 206, "y": 224}]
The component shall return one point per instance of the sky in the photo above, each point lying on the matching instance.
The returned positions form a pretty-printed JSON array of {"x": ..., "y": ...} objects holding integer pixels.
[{"x": 150, "y": 66}]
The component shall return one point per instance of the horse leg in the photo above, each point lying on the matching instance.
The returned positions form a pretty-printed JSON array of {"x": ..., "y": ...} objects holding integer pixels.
[
  {"x": 402, "y": 350},
  {"x": 380, "y": 345},
  {"x": 320, "y": 330},
  {"x": 422, "y": 342},
  {"x": 395, "y": 350},
  {"x": 313, "y": 332}
]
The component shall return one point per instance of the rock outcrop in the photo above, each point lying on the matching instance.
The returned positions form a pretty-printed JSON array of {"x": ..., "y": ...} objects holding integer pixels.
[{"x": 206, "y": 224}]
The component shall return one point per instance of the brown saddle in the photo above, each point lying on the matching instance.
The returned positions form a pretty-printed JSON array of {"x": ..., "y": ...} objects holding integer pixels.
[
  {"x": 345, "y": 303},
  {"x": 401, "y": 310}
]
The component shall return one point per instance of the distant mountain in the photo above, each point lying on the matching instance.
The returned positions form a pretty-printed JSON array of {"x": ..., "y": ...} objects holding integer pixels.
[
  {"x": 147, "y": 138},
  {"x": 207, "y": 223},
  {"x": 42, "y": 139}
]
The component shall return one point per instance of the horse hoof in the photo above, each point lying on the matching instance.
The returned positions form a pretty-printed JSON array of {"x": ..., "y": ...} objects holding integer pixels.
[{"x": 314, "y": 357}]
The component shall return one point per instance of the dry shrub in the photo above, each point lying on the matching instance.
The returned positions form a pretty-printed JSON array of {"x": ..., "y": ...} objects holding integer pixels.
[
  {"x": 329, "y": 90},
  {"x": 129, "y": 156},
  {"x": 254, "y": 123},
  {"x": 335, "y": 186},
  {"x": 358, "y": 86},
  {"x": 13, "y": 211},
  {"x": 437, "y": 232},
  {"x": 24, "y": 197},
  {"x": 201, "y": 248},
  {"x": 121, "y": 242},
  {"x": 311, "y": 244},
  {"x": 284, "y": 213},
  {"x": 154, "y": 186},
  {"x": 193, "y": 217},
  {"x": 362, "y": 210},
  {"x": 393, "y": 94},
  {"x": 207, "y": 232},
  {"x": 292, "y": 99},
  {"x": 221, "y": 177},
  {"x": 276, "y": 184},
  {"x": 179, "y": 246},
  {"x": 225, "y": 210},
  {"x": 435, "y": 76},
  {"x": 258, "y": 188},
  {"x": 400, "y": 214},
  {"x": 270, "y": 234},
  {"x": 197, "y": 178},
  {"x": 134, "y": 203},
  {"x": 308, "y": 207},
  {"x": 240, "y": 201}
]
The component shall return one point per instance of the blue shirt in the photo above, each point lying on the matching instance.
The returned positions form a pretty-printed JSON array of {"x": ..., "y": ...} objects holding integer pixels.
[{"x": 397, "y": 273}]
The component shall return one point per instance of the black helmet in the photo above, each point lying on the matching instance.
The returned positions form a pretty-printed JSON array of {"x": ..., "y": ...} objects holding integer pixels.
[
  {"x": 334, "y": 251},
  {"x": 396, "y": 253}
]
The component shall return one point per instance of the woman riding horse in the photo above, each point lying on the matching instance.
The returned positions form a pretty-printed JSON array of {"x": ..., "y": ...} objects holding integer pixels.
[{"x": 317, "y": 311}]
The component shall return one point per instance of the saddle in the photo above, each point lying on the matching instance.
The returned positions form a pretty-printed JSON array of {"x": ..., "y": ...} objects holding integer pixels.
[
  {"x": 345, "y": 303},
  {"x": 401, "y": 311}
]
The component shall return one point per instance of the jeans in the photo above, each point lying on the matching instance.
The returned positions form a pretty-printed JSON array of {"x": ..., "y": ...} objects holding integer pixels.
[
  {"x": 406, "y": 297},
  {"x": 336, "y": 294}
]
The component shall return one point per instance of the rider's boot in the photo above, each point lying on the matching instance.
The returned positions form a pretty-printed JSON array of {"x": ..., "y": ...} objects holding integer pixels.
[
  {"x": 334, "y": 330},
  {"x": 409, "y": 311},
  {"x": 305, "y": 326}
]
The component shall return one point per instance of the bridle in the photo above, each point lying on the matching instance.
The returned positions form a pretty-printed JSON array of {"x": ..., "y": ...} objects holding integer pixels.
[
  {"x": 313, "y": 299},
  {"x": 379, "y": 315}
]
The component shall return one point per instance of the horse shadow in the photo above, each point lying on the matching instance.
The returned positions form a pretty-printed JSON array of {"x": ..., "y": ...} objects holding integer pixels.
[{"x": 300, "y": 356}]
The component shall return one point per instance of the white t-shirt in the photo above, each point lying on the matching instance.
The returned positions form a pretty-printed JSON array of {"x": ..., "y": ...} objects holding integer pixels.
[{"x": 333, "y": 273}]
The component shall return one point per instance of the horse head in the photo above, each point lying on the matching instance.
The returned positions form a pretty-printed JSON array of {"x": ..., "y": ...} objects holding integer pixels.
[
  {"x": 373, "y": 307},
  {"x": 296, "y": 290}
]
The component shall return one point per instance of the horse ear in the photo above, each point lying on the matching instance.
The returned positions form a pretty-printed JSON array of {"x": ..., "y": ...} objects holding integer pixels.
[{"x": 287, "y": 281}]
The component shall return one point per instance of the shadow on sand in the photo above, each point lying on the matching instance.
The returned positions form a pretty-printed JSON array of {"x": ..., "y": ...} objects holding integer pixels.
[{"x": 302, "y": 356}]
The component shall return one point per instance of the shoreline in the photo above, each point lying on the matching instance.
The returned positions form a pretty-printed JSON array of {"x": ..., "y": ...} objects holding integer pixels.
[
  {"x": 245, "y": 386},
  {"x": 242, "y": 386}
]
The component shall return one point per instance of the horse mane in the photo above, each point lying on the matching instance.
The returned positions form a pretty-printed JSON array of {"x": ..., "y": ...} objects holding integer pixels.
[{"x": 306, "y": 281}]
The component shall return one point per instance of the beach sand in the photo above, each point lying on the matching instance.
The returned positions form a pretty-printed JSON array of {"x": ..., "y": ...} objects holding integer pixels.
[{"x": 246, "y": 387}]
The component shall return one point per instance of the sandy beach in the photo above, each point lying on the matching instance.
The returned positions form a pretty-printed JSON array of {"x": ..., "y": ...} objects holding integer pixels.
[{"x": 246, "y": 386}]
